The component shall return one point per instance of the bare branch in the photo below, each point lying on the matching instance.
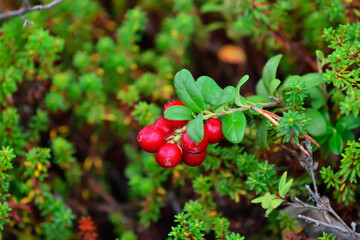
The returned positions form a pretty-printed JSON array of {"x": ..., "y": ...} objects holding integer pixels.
[
  {"x": 27, "y": 8},
  {"x": 322, "y": 203}
]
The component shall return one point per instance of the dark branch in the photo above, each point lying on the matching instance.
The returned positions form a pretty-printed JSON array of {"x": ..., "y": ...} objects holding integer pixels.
[{"x": 27, "y": 8}]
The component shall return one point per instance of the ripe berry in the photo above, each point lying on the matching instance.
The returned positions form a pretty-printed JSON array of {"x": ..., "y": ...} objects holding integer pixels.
[
  {"x": 161, "y": 123},
  {"x": 191, "y": 146},
  {"x": 168, "y": 156},
  {"x": 213, "y": 130},
  {"x": 193, "y": 159},
  {"x": 175, "y": 123},
  {"x": 151, "y": 138}
]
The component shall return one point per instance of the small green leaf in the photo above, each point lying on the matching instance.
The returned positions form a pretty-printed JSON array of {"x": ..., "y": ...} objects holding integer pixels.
[
  {"x": 273, "y": 86},
  {"x": 261, "y": 135},
  {"x": 269, "y": 71},
  {"x": 266, "y": 202},
  {"x": 257, "y": 200},
  {"x": 209, "y": 89},
  {"x": 233, "y": 127},
  {"x": 350, "y": 122},
  {"x": 319, "y": 54},
  {"x": 282, "y": 182},
  {"x": 261, "y": 90},
  {"x": 237, "y": 90},
  {"x": 195, "y": 128},
  {"x": 268, "y": 211},
  {"x": 286, "y": 188},
  {"x": 313, "y": 79},
  {"x": 276, "y": 202},
  {"x": 227, "y": 95},
  {"x": 258, "y": 99},
  {"x": 317, "y": 123},
  {"x": 188, "y": 92},
  {"x": 178, "y": 113},
  {"x": 336, "y": 144}
]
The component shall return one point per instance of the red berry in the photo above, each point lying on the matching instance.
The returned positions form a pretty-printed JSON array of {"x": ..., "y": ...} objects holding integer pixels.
[
  {"x": 161, "y": 123},
  {"x": 168, "y": 156},
  {"x": 191, "y": 146},
  {"x": 151, "y": 138},
  {"x": 175, "y": 123},
  {"x": 213, "y": 130},
  {"x": 193, "y": 159}
]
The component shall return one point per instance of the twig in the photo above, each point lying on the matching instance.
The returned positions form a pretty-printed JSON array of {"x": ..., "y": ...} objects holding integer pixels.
[
  {"x": 317, "y": 222},
  {"x": 27, "y": 8},
  {"x": 322, "y": 203}
]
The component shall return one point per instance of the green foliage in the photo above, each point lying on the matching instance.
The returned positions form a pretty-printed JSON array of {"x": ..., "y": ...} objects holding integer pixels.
[
  {"x": 344, "y": 65},
  {"x": 6, "y": 157},
  {"x": 344, "y": 181},
  {"x": 326, "y": 236},
  {"x": 291, "y": 125},
  {"x": 272, "y": 201}
]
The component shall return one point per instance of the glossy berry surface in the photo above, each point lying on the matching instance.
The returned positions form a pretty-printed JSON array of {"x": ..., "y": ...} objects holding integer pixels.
[
  {"x": 168, "y": 156},
  {"x": 151, "y": 138},
  {"x": 213, "y": 130},
  {"x": 191, "y": 146},
  {"x": 193, "y": 159},
  {"x": 161, "y": 123},
  {"x": 175, "y": 123}
]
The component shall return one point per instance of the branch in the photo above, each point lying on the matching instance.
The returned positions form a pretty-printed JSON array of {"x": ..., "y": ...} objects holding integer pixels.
[
  {"x": 322, "y": 203},
  {"x": 27, "y": 8}
]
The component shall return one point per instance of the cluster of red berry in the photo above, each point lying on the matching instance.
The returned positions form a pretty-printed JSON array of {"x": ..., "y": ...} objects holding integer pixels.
[{"x": 161, "y": 139}]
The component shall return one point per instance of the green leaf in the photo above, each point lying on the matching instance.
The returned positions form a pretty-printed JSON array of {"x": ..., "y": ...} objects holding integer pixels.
[
  {"x": 261, "y": 135},
  {"x": 288, "y": 81},
  {"x": 350, "y": 122},
  {"x": 268, "y": 211},
  {"x": 276, "y": 202},
  {"x": 269, "y": 71},
  {"x": 319, "y": 54},
  {"x": 227, "y": 95},
  {"x": 257, "y": 200},
  {"x": 209, "y": 89},
  {"x": 336, "y": 144},
  {"x": 195, "y": 128},
  {"x": 188, "y": 92},
  {"x": 266, "y": 202},
  {"x": 282, "y": 183},
  {"x": 313, "y": 79},
  {"x": 233, "y": 127},
  {"x": 178, "y": 113},
  {"x": 273, "y": 86},
  {"x": 258, "y": 99},
  {"x": 286, "y": 188},
  {"x": 261, "y": 90},
  {"x": 237, "y": 90},
  {"x": 317, "y": 124}
]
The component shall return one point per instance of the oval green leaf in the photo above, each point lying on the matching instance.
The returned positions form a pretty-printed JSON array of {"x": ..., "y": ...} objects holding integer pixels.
[
  {"x": 234, "y": 126},
  {"x": 178, "y": 113},
  {"x": 336, "y": 144},
  {"x": 227, "y": 95},
  {"x": 317, "y": 124},
  {"x": 209, "y": 89},
  {"x": 269, "y": 71},
  {"x": 195, "y": 129},
  {"x": 188, "y": 92}
]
